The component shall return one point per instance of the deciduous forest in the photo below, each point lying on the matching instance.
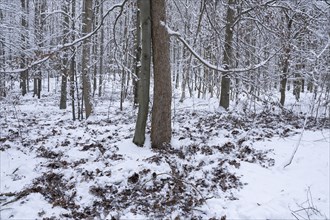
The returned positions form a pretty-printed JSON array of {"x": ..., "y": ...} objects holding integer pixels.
[{"x": 165, "y": 109}]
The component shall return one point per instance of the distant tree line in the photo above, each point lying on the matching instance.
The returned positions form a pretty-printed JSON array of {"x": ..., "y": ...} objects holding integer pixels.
[{"x": 204, "y": 48}]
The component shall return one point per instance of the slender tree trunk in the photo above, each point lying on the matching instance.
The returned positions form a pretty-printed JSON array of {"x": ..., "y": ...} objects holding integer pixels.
[
  {"x": 138, "y": 51},
  {"x": 95, "y": 46},
  {"x": 48, "y": 82},
  {"x": 24, "y": 23},
  {"x": 79, "y": 106},
  {"x": 2, "y": 62},
  {"x": 285, "y": 61},
  {"x": 144, "y": 76},
  {"x": 73, "y": 64},
  {"x": 101, "y": 54},
  {"x": 39, "y": 85},
  {"x": 122, "y": 88},
  {"x": 63, "y": 91},
  {"x": 284, "y": 79},
  {"x": 72, "y": 79},
  {"x": 161, "y": 130},
  {"x": 35, "y": 86},
  {"x": 85, "y": 60},
  {"x": 65, "y": 68},
  {"x": 186, "y": 58},
  {"x": 40, "y": 8},
  {"x": 297, "y": 86}
]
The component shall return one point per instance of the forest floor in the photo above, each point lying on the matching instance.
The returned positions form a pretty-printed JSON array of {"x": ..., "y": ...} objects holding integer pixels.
[{"x": 220, "y": 165}]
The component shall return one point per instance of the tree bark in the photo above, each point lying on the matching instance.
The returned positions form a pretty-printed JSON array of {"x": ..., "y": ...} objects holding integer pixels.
[
  {"x": 144, "y": 76},
  {"x": 228, "y": 55},
  {"x": 73, "y": 64},
  {"x": 101, "y": 54},
  {"x": 161, "y": 130},
  {"x": 86, "y": 28},
  {"x": 65, "y": 68},
  {"x": 24, "y": 23},
  {"x": 40, "y": 7},
  {"x": 285, "y": 61},
  {"x": 138, "y": 51},
  {"x": 284, "y": 78}
]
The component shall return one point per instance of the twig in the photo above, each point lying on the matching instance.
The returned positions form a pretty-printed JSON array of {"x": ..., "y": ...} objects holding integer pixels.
[
  {"x": 18, "y": 197},
  {"x": 5, "y": 209},
  {"x": 297, "y": 145},
  {"x": 309, "y": 211}
]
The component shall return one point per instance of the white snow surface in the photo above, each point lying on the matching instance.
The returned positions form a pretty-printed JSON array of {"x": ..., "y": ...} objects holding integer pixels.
[
  {"x": 274, "y": 193},
  {"x": 300, "y": 190}
]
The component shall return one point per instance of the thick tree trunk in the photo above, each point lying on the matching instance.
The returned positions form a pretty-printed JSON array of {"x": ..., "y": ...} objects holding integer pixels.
[
  {"x": 144, "y": 76},
  {"x": 161, "y": 130},
  {"x": 227, "y": 55},
  {"x": 86, "y": 28}
]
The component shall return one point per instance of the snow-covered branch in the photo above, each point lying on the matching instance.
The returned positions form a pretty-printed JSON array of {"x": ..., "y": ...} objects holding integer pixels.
[
  {"x": 324, "y": 49},
  {"x": 121, "y": 5},
  {"x": 212, "y": 66},
  {"x": 59, "y": 48}
]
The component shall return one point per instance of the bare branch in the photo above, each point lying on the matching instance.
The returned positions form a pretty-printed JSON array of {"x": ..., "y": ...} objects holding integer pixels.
[
  {"x": 67, "y": 45},
  {"x": 217, "y": 67}
]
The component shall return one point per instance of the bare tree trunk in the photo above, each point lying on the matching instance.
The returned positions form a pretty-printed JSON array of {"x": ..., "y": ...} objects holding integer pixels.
[
  {"x": 64, "y": 83},
  {"x": 161, "y": 130},
  {"x": 297, "y": 86},
  {"x": 34, "y": 86},
  {"x": 40, "y": 8},
  {"x": 72, "y": 79},
  {"x": 95, "y": 46},
  {"x": 285, "y": 62},
  {"x": 2, "y": 62},
  {"x": 144, "y": 76},
  {"x": 24, "y": 23},
  {"x": 228, "y": 55},
  {"x": 85, "y": 60},
  {"x": 185, "y": 76},
  {"x": 65, "y": 67},
  {"x": 101, "y": 54},
  {"x": 125, "y": 74},
  {"x": 284, "y": 79},
  {"x": 122, "y": 88},
  {"x": 39, "y": 85},
  {"x": 138, "y": 51},
  {"x": 73, "y": 64}
]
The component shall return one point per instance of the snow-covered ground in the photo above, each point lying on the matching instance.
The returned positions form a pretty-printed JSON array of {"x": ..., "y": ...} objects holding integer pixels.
[
  {"x": 277, "y": 192},
  {"x": 219, "y": 165}
]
